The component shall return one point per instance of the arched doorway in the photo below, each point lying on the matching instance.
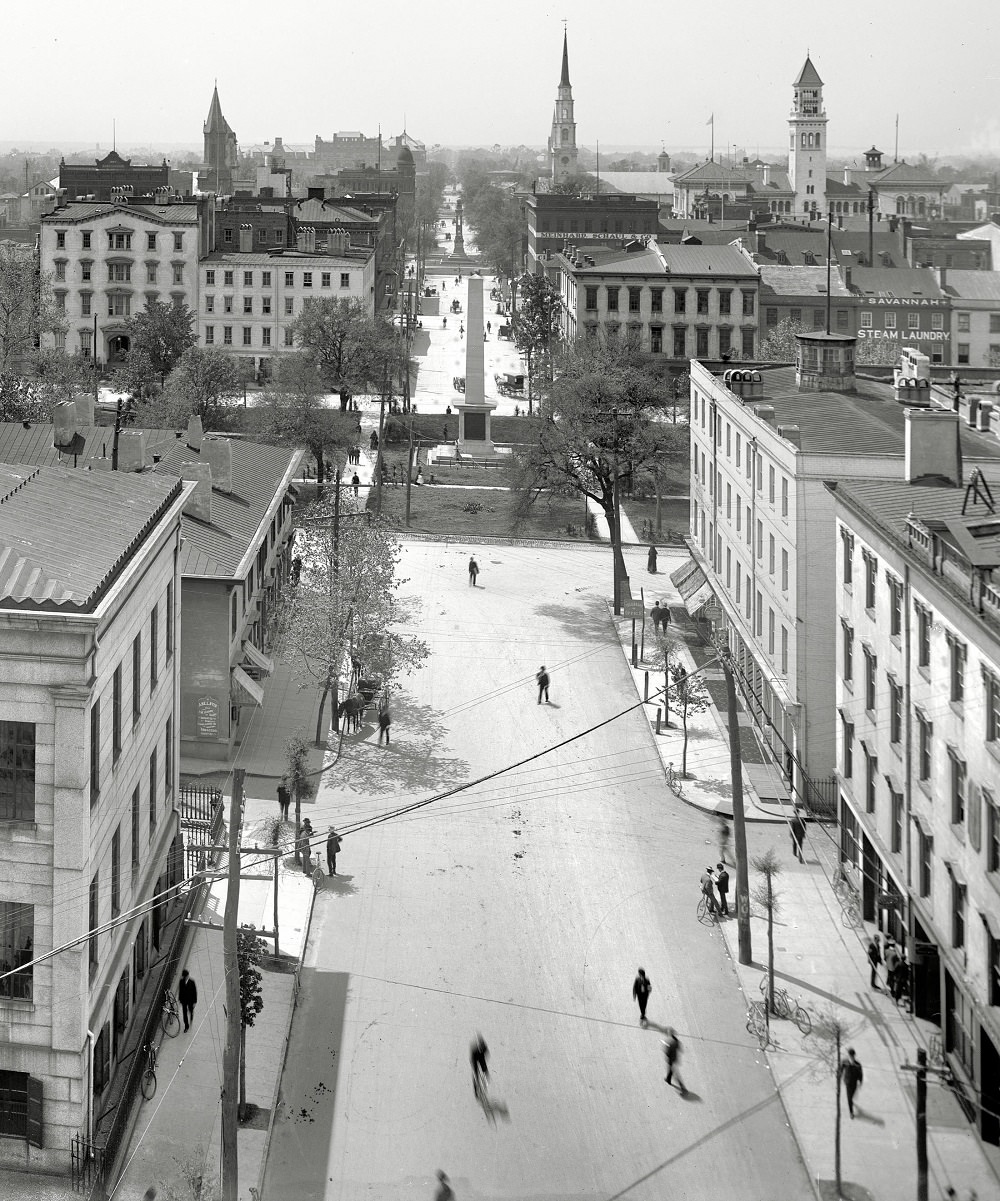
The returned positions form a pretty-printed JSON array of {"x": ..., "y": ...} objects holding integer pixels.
[{"x": 118, "y": 348}]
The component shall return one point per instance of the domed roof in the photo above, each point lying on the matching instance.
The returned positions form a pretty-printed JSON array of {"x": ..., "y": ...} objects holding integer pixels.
[{"x": 404, "y": 157}]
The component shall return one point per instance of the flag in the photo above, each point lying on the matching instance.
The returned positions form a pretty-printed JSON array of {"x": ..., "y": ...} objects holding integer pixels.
[{"x": 711, "y": 120}]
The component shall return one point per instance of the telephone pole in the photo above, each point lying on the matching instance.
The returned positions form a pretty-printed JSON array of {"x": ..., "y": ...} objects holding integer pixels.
[
  {"x": 739, "y": 816},
  {"x": 231, "y": 1057}
]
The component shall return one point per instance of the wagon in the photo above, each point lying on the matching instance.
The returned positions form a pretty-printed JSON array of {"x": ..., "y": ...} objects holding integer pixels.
[
  {"x": 509, "y": 384},
  {"x": 506, "y": 332},
  {"x": 458, "y": 383}
]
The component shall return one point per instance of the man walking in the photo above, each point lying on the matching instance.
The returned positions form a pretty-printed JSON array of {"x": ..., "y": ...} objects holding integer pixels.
[
  {"x": 874, "y": 962},
  {"x": 798, "y": 832},
  {"x": 672, "y": 1054},
  {"x": 641, "y": 988},
  {"x": 187, "y": 994},
  {"x": 355, "y": 481},
  {"x": 473, "y": 572},
  {"x": 284, "y": 798},
  {"x": 852, "y": 1075},
  {"x": 384, "y": 722},
  {"x": 722, "y": 884},
  {"x": 332, "y": 848},
  {"x": 543, "y": 684}
]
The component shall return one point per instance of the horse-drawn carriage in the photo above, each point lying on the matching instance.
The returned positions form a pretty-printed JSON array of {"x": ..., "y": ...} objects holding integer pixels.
[
  {"x": 352, "y": 709},
  {"x": 458, "y": 383},
  {"x": 506, "y": 332},
  {"x": 509, "y": 384},
  {"x": 456, "y": 306}
]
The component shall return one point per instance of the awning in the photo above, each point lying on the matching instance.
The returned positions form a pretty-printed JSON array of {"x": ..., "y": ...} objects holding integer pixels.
[
  {"x": 249, "y": 686},
  {"x": 691, "y": 582},
  {"x": 991, "y": 922},
  {"x": 258, "y": 658}
]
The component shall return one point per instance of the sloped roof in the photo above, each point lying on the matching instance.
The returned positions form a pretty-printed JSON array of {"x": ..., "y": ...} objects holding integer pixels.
[
  {"x": 808, "y": 77},
  {"x": 906, "y": 173},
  {"x": 905, "y": 282},
  {"x": 89, "y": 210},
  {"x": 712, "y": 171},
  {"x": 564, "y": 76},
  {"x": 618, "y": 261},
  {"x": 313, "y": 210},
  {"x": 972, "y": 285},
  {"x": 799, "y": 281},
  {"x": 659, "y": 183},
  {"x": 65, "y": 535},
  {"x": 707, "y": 260},
  {"x": 215, "y": 121},
  {"x": 835, "y": 186},
  {"x": 260, "y": 473}
]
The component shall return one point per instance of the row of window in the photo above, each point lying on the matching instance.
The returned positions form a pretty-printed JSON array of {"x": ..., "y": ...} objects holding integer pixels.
[
  {"x": 964, "y": 323},
  {"x": 246, "y": 333},
  {"x": 229, "y": 278},
  {"x": 680, "y": 349},
  {"x": 889, "y": 320},
  {"x": 739, "y": 450},
  {"x": 701, "y": 302},
  {"x": 118, "y": 272},
  {"x": 119, "y": 239},
  {"x": 842, "y": 317}
]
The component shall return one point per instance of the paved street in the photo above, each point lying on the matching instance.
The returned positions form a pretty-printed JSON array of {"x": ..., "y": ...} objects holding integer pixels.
[{"x": 519, "y": 908}]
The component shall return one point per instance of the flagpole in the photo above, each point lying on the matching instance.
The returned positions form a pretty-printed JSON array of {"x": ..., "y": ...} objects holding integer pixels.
[{"x": 711, "y": 122}]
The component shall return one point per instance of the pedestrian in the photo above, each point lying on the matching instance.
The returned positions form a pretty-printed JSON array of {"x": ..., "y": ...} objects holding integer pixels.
[
  {"x": 798, "y": 832},
  {"x": 901, "y": 981},
  {"x": 484, "y": 335},
  {"x": 651, "y": 561},
  {"x": 664, "y": 615},
  {"x": 284, "y": 798},
  {"x": 373, "y": 442},
  {"x": 187, "y": 994},
  {"x": 672, "y": 1054},
  {"x": 305, "y": 847},
  {"x": 874, "y": 960},
  {"x": 641, "y": 988},
  {"x": 722, "y": 884},
  {"x": 473, "y": 572},
  {"x": 355, "y": 481},
  {"x": 707, "y": 883},
  {"x": 444, "y": 322},
  {"x": 891, "y": 964},
  {"x": 852, "y": 1075},
  {"x": 296, "y": 570},
  {"x": 723, "y": 837},
  {"x": 654, "y": 614},
  {"x": 332, "y": 849},
  {"x": 543, "y": 684},
  {"x": 444, "y": 1189},
  {"x": 489, "y": 328},
  {"x": 384, "y": 721}
]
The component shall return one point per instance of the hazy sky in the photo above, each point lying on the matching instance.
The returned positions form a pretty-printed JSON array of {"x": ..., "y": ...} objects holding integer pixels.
[{"x": 479, "y": 73}]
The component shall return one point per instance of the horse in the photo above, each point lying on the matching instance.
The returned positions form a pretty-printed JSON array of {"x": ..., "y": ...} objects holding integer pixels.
[{"x": 351, "y": 711}]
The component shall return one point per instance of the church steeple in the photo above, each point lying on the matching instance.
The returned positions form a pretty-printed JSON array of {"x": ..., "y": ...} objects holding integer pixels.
[
  {"x": 220, "y": 148},
  {"x": 562, "y": 140}
]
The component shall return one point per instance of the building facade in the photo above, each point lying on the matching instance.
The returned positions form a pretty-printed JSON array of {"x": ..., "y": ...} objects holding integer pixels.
[
  {"x": 562, "y": 139},
  {"x": 106, "y": 261},
  {"x": 975, "y": 316},
  {"x": 918, "y": 696},
  {"x": 553, "y": 220},
  {"x": 89, "y": 727},
  {"x": 113, "y": 178},
  {"x": 807, "y": 142},
  {"x": 903, "y": 306}
]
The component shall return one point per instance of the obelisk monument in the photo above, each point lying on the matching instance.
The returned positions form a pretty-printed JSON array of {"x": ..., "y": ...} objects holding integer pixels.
[{"x": 474, "y": 411}]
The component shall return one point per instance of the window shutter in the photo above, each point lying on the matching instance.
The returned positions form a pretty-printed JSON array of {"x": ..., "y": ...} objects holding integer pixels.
[
  {"x": 975, "y": 817},
  {"x": 35, "y": 1128}
]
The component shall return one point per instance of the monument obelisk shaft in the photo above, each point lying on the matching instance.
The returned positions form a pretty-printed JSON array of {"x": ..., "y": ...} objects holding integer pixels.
[{"x": 475, "y": 357}]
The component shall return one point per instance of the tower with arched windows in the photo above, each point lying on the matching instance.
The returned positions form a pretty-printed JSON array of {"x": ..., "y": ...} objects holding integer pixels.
[
  {"x": 807, "y": 143},
  {"x": 562, "y": 140}
]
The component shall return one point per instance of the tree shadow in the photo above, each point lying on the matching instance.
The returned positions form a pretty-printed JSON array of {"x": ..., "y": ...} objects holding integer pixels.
[
  {"x": 338, "y": 885},
  {"x": 411, "y": 762},
  {"x": 587, "y": 622}
]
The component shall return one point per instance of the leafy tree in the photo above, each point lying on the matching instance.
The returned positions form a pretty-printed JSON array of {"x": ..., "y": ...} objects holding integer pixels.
[
  {"x": 764, "y": 895},
  {"x": 877, "y": 352},
  {"x": 602, "y": 425},
  {"x": 345, "y": 342},
  {"x": 295, "y": 412},
  {"x": 536, "y": 330},
  {"x": 249, "y": 955},
  {"x": 781, "y": 344},
  {"x": 163, "y": 332},
  {"x": 346, "y": 600},
  {"x": 691, "y": 696},
  {"x": 300, "y": 784},
  {"x": 27, "y": 306},
  {"x": 136, "y": 377},
  {"x": 207, "y": 381}
]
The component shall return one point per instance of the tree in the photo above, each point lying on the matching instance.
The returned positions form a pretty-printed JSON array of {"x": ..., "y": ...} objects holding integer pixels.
[
  {"x": 829, "y": 1034},
  {"x": 764, "y": 895},
  {"x": 536, "y": 330},
  {"x": 136, "y": 377},
  {"x": 345, "y": 342},
  {"x": 602, "y": 424},
  {"x": 691, "y": 697},
  {"x": 249, "y": 955},
  {"x": 346, "y": 602},
  {"x": 781, "y": 344},
  {"x": 877, "y": 352},
  {"x": 27, "y": 306},
  {"x": 206, "y": 381},
  {"x": 164, "y": 332},
  {"x": 295, "y": 412},
  {"x": 667, "y": 645},
  {"x": 300, "y": 784}
]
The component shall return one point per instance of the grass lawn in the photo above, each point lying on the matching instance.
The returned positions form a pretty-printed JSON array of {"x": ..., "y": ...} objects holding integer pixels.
[
  {"x": 480, "y": 512},
  {"x": 675, "y": 514}
]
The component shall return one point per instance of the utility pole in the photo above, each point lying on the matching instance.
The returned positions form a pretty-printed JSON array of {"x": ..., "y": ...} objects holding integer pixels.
[
  {"x": 829, "y": 263},
  {"x": 921, "y": 1069},
  {"x": 409, "y": 472},
  {"x": 739, "y": 816},
  {"x": 616, "y": 532},
  {"x": 871, "y": 227},
  {"x": 231, "y": 1057}
]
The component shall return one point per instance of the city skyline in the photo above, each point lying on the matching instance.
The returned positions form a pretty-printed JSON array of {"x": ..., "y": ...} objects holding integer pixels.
[{"x": 630, "y": 91}]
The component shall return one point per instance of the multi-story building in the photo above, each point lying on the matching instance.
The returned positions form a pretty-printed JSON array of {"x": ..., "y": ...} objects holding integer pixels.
[
  {"x": 917, "y": 629},
  {"x": 554, "y": 220},
  {"x": 673, "y": 300},
  {"x": 975, "y": 316},
  {"x": 799, "y": 295},
  {"x": 107, "y": 260},
  {"x": 111, "y": 178},
  {"x": 237, "y": 537},
  {"x": 903, "y": 306},
  {"x": 763, "y": 531},
  {"x": 89, "y": 727},
  {"x": 250, "y": 301}
]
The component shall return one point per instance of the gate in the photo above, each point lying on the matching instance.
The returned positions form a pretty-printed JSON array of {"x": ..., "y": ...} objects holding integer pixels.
[{"x": 201, "y": 815}]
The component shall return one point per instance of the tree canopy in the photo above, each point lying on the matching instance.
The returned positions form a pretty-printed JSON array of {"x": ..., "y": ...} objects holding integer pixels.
[
  {"x": 536, "y": 331},
  {"x": 163, "y": 332},
  {"x": 27, "y": 306},
  {"x": 348, "y": 346},
  {"x": 206, "y": 381}
]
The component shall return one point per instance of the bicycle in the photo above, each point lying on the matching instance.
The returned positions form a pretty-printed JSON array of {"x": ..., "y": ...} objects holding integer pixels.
[
  {"x": 707, "y": 910},
  {"x": 758, "y": 1023},
  {"x": 148, "y": 1083},
  {"x": 850, "y": 909},
  {"x": 169, "y": 1018},
  {"x": 785, "y": 1006},
  {"x": 674, "y": 783}
]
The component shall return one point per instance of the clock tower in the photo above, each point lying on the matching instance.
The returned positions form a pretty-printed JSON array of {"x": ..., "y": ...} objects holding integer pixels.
[
  {"x": 807, "y": 143},
  {"x": 562, "y": 140}
]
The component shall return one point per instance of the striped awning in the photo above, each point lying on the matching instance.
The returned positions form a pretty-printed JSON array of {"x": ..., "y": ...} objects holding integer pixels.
[{"x": 692, "y": 583}]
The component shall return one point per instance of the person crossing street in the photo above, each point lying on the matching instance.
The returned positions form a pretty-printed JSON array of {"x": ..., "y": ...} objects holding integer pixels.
[{"x": 543, "y": 684}]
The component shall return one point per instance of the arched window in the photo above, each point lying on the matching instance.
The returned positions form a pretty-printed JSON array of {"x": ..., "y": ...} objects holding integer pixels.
[
  {"x": 900, "y": 205},
  {"x": 921, "y": 206},
  {"x": 565, "y": 136},
  {"x": 803, "y": 141},
  {"x": 817, "y": 141}
]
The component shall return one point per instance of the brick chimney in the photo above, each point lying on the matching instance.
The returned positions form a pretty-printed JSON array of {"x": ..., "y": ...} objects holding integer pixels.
[
  {"x": 933, "y": 446},
  {"x": 218, "y": 454},
  {"x": 64, "y": 423},
  {"x": 246, "y": 239},
  {"x": 194, "y": 432},
  {"x": 199, "y": 503},
  {"x": 132, "y": 450}
]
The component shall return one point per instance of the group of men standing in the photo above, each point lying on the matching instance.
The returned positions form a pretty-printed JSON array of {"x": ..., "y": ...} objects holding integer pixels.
[{"x": 713, "y": 880}]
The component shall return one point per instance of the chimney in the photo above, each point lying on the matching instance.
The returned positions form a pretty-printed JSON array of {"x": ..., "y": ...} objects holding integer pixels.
[
  {"x": 985, "y": 417},
  {"x": 791, "y": 433},
  {"x": 194, "y": 432},
  {"x": 942, "y": 277},
  {"x": 84, "y": 411},
  {"x": 766, "y": 413},
  {"x": 847, "y": 176},
  {"x": 847, "y": 278},
  {"x": 933, "y": 446},
  {"x": 218, "y": 454},
  {"x": 765, "y": 174},
  {"x": 761, "y": 242},
  {"x": 64, "y": 423},
  {"x": 199, "y": 503},
  {"x": 246, "y": 239},
  {"x": 132, "y": 450},
  {"x": 913, "y": 392}
]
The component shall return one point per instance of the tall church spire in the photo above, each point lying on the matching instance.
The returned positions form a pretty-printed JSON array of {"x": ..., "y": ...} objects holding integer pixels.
[
  {"x": 220, "y": 148},
  {"x": 562, "y": 139}
]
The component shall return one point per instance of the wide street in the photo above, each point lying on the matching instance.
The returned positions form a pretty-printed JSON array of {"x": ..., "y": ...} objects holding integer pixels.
[{"x": 520, "y": 908}]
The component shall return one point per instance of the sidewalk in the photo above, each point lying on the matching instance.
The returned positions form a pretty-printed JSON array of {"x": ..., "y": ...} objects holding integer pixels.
[{"x": 821, "y": 961}]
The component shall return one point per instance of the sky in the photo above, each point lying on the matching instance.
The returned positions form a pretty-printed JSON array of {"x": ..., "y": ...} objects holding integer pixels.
[{"x": 478, "y": 73}]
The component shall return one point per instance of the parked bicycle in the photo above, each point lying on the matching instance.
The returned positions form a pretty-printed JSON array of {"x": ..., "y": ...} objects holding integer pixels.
[
  {"x": 148, "y": 1083},
  {"x": 675, "y": 781},
  {"x": 785, "y": 1006},
  {"x": 170, "y": 1018},
  {"x": 847, "y": 893},
  {"x": 707, "y": 909},
  {"x": 758, "y": 1023}
]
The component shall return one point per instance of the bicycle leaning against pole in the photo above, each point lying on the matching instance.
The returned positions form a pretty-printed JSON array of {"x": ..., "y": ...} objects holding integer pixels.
[{"x": 148, "y": 1082}]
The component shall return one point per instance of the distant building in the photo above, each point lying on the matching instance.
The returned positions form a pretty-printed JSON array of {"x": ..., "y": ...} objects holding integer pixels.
[
  {"x": 798, "y": 294},
  {"x": 113, "y": 178},
  {"x": 553, "y": 220},
  {"x": 221, "y": 151},
  {"x": 807, "y": 142},
  {"x": 89, "y": 742},
  {"x": 562, "y": 139},
  {"x": 903, "y": 306},
  {"x": 975, "y": 316}
]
